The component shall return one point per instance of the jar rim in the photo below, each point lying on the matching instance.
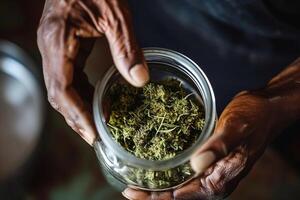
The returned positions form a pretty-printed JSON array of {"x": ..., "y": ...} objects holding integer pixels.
[{"x": 184, "y": 156}]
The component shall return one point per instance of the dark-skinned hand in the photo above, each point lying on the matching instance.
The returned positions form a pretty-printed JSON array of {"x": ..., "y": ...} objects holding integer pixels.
[
  {"x": 66, "y": 35},
  {"x": 247, "y": 125}
]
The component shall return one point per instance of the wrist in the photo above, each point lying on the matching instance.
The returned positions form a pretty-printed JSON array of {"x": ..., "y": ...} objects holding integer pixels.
[
  {"x": 284, "y": 106},
  {"x": 283, "y": 92},
  {"x": 286, "y": 103},
  {"x": 263, "y": 111}
]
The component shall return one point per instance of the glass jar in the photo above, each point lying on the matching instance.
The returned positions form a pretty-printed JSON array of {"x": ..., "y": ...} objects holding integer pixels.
[{"x": 123, "y": 169}]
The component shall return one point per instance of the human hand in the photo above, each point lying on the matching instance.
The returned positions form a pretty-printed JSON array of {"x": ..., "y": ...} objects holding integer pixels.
[
  {"x": 66, "y": 36},
  {"x": 244, "y": 129}
]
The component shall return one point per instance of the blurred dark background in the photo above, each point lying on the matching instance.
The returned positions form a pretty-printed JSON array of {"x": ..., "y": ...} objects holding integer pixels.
[{"x": 62, "y": 166}]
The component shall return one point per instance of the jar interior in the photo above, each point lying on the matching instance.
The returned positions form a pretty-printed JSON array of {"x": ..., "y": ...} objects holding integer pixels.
[
  {"x": 145, "y": 174},
  {"x": 158, "y": 72}
]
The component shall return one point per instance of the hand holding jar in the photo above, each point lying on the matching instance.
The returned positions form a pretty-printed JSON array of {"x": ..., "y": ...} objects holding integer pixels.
[
  {"x": 247, "y": 125},
  {"x": 66, "y": 35}
]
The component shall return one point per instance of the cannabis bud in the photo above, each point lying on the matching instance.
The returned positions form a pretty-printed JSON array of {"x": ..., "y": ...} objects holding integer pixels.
[{"x": 156, "y": 122}]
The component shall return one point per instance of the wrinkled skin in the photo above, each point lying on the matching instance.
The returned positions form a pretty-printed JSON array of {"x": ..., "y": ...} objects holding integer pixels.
[
  {"x": 66, "y": 35},
  {"x": 240, "y": 138},
  {"x": 246, "y": 126}
]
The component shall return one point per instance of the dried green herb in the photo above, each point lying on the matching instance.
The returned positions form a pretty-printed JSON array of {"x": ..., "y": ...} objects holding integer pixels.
[{"x": 155, "y": 122}]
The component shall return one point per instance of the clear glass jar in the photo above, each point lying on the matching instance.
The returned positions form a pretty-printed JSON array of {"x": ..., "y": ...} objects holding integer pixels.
[{"x": 121, "y": 168}]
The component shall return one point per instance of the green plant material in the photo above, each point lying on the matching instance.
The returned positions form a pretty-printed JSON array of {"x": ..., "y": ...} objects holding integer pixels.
[
  {"x": 156, "y": 122},
  {"x": 160, "y": 179}
]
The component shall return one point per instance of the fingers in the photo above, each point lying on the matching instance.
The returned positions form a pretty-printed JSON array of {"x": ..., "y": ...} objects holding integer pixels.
[
  {"x": 214, "y": 149},
  {"x": 71, "y": 106},
  {"x": 113, "y": 19},
  {"x": 59, "y": 48},
  {"x": 126, "y": 54},
  {"x": 190, "y": 191},
  {"x": 220, "y": 180},
  {"x": 132, "y": 194},
  {"x": 229, "y": 133},
  {"x": 201, "y": 161}
]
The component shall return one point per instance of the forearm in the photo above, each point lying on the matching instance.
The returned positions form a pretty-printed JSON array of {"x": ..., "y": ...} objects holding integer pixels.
[{"x": 283, "y": 93}]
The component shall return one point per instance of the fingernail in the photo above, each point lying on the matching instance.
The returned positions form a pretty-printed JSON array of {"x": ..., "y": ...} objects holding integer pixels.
[
  {"x": 202, "y": 161},
  {"x": 124, "y": 193},
  {"x": 135, "y": 194},
  {"x": 139, "y": 75}
]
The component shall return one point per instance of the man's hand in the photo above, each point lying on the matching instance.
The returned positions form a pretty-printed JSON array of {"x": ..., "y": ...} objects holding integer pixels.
[
  {"x": 239, "y": 139},
  {"x": 66, "y": 36},
  {"x": 245, "y": 128}
]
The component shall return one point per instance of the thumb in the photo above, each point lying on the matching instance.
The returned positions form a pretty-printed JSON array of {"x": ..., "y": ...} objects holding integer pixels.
[
  {"x": 126, "y": 54},
  {"x": 226, "y": 137}
]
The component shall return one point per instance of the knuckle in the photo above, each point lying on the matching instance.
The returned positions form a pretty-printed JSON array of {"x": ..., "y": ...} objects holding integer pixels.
[
  {"x": 48, "y": 27},
  {"x": 224, "y": 179},
  {"x": 53, "y": 100},
  {"x": 213, "y": 186},
  {"x": 214, "y": 189},
  {"x": 55, "y": 93},
  {"x": 72, "y": 124},
  {"x": 53, "y": 103}
]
